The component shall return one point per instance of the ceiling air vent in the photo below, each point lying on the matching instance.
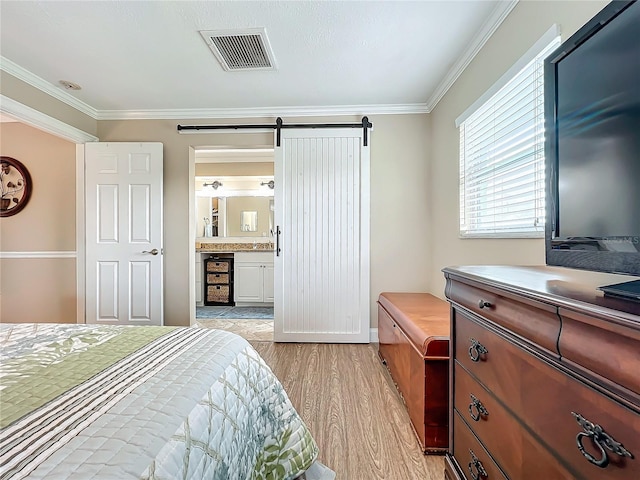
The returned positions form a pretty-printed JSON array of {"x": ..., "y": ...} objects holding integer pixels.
[{"x": 246, "y": 49}]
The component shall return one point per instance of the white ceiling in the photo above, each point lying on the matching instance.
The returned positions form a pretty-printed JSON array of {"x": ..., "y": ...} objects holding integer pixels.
[{"x": 147, "y": 57}]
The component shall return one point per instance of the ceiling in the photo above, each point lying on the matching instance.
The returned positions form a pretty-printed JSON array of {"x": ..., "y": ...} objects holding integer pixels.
[{"x": 147, "y": 59}]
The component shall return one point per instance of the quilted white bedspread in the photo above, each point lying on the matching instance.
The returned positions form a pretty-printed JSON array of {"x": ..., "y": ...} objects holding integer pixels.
[{"x": 107, "y": 402}]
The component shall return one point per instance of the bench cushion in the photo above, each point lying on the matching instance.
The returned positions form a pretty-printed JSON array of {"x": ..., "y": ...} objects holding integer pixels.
[{"x": 423, "y": 318}]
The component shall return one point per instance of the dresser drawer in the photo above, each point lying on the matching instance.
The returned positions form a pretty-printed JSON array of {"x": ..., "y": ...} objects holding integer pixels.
[
  {"x": 450, "y": 472},
  {"x": 543, "y": 398},
  {"x": 515, "y": 450},
  {"x": 587, "y": 342},
  {"x": 472, "y": 457},
  {"x": 550, "y": 399},
  {"x": 498, "y": 364},
  {"x": 534, "y": 320},
  {"x": 556, "y": 367}
]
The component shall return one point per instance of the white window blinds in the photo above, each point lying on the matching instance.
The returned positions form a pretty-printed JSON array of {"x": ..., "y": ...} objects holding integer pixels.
[{"x": 502, "y": 171}]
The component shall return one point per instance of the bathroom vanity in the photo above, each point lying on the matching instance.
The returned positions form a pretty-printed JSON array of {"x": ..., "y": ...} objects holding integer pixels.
[{"x": 243, "y": 271}]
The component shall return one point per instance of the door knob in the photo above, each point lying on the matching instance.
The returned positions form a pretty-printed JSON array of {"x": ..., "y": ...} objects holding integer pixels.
[{"x": 155, "y": 251}]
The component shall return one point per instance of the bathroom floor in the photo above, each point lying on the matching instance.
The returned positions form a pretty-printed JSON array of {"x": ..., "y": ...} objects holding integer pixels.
[
  {"x": 253, "y": 323},
  {"x": 236, "y": 313}
]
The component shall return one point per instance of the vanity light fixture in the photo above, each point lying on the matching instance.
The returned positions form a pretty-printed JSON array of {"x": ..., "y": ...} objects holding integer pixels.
[
  {"x": 215, "y": 184},
  {"x": 271, "y": 184}
]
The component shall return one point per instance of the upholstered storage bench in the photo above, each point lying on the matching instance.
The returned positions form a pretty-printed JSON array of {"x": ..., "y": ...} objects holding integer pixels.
[{"x": 413, "y": 331}]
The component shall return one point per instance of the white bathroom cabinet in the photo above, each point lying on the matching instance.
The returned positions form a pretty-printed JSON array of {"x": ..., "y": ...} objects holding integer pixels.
[{"x": 253, "y": 277}]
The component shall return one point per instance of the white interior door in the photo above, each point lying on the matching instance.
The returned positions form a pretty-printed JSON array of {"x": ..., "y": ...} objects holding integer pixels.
[
  {"x": 124, "y": 277},
  {"x": 322, "y": 216}
]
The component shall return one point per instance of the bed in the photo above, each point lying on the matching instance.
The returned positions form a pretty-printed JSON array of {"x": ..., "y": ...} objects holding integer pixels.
[{"x": 114, "y": 402}]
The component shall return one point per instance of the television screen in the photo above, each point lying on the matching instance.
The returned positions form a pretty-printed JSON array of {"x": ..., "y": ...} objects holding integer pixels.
[{"x": 593, "y": 148}]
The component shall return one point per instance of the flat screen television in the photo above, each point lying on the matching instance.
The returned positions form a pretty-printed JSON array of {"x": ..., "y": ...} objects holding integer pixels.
[{"x": 592, "y": 148}]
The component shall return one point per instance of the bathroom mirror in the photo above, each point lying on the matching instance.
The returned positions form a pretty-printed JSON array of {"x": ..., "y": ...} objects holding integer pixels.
[
  {"x": 229, "y": 216},
  {"x": 240, "y": 206},
  {"x": 248, "y": 221}
]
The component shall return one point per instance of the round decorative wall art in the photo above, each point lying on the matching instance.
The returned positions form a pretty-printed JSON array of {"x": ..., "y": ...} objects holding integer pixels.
[{"x": 15, "y": 186}]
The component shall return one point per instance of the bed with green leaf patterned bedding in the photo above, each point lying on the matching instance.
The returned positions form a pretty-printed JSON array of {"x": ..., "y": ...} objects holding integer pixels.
[{"x": 110, "y": 402}]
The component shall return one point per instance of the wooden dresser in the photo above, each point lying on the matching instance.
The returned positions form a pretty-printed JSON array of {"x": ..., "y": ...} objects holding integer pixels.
[{"x": 545, "y": 377}]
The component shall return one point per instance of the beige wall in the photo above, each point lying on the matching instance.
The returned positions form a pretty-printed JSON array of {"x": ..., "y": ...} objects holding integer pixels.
[
  {"x": 42, "y": 289},
  {"x": 399, "y": 230},
  {"x": 527, "y": 22},
  {"x": 178, "y": 188},
  {"x": 236, "y": 205},
  {"x": 38, "y": 290},
  {"x": 234, "y": 169},
  {"x": 414, "y": 170}
]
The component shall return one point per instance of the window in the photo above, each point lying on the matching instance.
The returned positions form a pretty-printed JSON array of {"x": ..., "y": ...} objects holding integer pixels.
[{"x": 502, "y": 171}]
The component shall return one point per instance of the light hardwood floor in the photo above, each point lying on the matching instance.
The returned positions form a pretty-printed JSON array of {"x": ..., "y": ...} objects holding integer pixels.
[
  {"x": 252, "y": 330},
  {"x": 348, "y": 401}
]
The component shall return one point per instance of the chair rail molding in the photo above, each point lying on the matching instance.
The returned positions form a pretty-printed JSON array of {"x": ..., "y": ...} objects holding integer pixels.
[{"x": 41, "y": 254}]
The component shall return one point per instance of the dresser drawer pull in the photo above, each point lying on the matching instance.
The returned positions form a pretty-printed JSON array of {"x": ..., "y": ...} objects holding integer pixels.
[
  {"x": 484, "y": 304},
  {"x": 599, "y": 438},
  {"x": 476, "y": 469},
  {"x": 476, "y": 349},
  {"x": 476, "y": 409}
]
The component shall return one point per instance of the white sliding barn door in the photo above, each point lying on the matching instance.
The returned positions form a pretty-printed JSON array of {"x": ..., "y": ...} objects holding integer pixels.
[
  {"x": 322, "y": 214},
  {"x": 124, "y": 277}
]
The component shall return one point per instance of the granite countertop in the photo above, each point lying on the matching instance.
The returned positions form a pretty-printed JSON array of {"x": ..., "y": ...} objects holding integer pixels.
[{"x": 233, "y": 247}]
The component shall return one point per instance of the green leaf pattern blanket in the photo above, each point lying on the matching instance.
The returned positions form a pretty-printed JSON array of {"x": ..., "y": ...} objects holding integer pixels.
[{"x": 106, "y": 402}]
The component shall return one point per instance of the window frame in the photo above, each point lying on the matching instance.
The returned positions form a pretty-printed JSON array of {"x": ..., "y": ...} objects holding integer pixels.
[{"x": 546, "y": 44}]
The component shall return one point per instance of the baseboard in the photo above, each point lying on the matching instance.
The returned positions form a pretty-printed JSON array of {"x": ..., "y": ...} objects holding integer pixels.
[{"x": 373, "y": 335}]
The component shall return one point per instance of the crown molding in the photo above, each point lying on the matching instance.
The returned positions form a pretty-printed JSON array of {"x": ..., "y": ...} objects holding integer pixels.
[
  {"x": 46, "y": 87},
  {"x": 206, "y": 113},
  {"x": 41, "y": 84},
  {"x": 42, "y": 121},
  {"x": 500, "y": 12},
  {"x": 268, "y": 112}
]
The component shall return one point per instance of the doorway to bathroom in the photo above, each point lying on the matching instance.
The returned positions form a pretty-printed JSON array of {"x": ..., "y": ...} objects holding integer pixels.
[{"x": 234, "y": 215}]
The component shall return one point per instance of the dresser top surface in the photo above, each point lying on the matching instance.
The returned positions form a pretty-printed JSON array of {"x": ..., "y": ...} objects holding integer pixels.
[{"x": 564, "y": 287}]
